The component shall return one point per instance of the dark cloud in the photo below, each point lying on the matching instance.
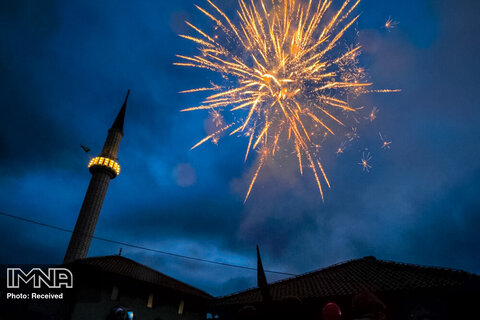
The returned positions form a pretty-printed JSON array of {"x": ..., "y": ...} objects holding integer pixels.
[{"x": 447, "y": 232}]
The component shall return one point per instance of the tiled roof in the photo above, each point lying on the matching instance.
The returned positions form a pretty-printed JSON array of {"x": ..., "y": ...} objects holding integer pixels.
[
  {"x": 354, "y": 276},
  {"x": 126, "y": 267}
]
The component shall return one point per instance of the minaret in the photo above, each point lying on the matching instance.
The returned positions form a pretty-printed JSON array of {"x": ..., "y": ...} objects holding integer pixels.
[
  {"x": 262, "y": 279},
  {"x": 103, "y": 168}
]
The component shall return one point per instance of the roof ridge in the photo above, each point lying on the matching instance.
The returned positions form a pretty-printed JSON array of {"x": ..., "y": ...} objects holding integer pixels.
[
  {"x": 422, "y": 266},
  {"x": 347, "y": 262},
  {"x": 296, "y": 277}
]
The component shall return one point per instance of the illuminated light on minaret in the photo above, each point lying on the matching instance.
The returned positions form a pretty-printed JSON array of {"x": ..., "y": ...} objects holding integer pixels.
[{"x": 103, "y": 168}]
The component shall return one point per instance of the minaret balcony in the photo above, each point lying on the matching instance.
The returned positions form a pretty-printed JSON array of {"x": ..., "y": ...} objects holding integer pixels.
[{"x": 106, "y": 163}]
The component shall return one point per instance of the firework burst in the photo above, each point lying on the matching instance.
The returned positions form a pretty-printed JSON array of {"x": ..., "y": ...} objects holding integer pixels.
[
  {"x": 365, "y": 162},
  {"x": 390, "y": 24},
  {"x": 385, "y": 143},
  {"x": 289, "y": 76}
]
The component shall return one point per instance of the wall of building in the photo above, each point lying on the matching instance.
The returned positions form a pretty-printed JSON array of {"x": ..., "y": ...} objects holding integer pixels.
[{"x": 93, "y": 300}]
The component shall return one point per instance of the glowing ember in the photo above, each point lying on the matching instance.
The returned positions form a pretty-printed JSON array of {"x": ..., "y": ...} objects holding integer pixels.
[
  {"x": 365, "y": 162},
  {"x": 385, "y": 144},
  {"x": 341, "y": 148},
  {"x": 390, "y": 24},
  {"x": 373, "y": 114}
]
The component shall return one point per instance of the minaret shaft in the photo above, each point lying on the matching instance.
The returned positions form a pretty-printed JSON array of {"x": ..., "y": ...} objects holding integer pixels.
[
  {"x": 112, "y": 144},
  {"x": 88, "y": 217},
  {"x": 103, "y": 169}
]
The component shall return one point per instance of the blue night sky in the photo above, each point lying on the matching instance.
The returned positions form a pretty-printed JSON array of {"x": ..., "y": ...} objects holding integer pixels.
[{"x": 66, "y": 66}]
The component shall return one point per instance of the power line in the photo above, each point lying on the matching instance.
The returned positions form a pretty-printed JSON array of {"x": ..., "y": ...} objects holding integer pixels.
[{"x": 144, "y": 248}]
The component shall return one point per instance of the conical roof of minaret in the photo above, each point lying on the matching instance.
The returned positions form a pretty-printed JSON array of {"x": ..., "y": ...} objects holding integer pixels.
[
  {"x": 261, "y": 278},
  {"x": 118, "y": 123}
]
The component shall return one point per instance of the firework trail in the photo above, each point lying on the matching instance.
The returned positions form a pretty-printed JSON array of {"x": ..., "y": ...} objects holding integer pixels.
[{"x": 290, "y": 78}]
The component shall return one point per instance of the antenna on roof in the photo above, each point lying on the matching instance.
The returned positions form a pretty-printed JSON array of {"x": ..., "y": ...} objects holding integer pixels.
[{"x": 120, "y": 252}]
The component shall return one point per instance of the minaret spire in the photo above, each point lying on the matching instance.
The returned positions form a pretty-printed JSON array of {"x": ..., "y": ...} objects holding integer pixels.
[
  {"x": 120, "y": 119},
  {"x": 262, "y": 279},
  {"x": 103, "y": 168}
]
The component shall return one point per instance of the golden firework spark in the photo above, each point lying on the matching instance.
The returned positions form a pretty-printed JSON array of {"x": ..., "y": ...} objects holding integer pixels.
[
  {"x": 373, "y": 114},
  {"x": 290, "y": 76},
  {"x": 385, "y": 143},
  {"x": 390, "y": 24},
  {"x": 365, "y": 162},
  {"x": 341, "y": 148}
]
